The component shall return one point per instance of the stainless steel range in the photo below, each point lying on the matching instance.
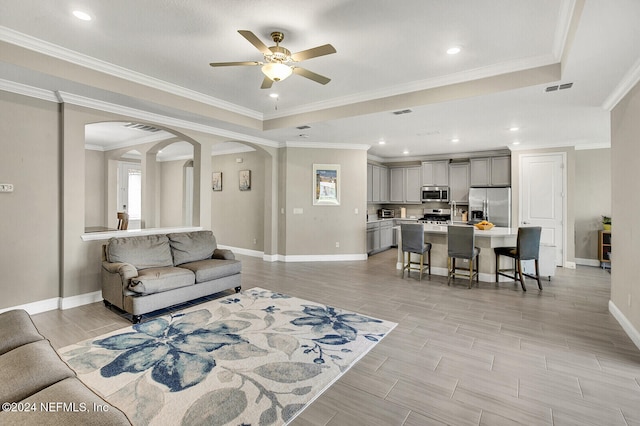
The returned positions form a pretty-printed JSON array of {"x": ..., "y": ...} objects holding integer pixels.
[{"x": 436, "y": 216}]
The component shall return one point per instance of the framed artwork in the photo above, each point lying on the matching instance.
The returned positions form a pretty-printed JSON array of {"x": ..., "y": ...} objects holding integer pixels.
[
  {"x": 326, "y": 184},
  {"x": 245, "y": 180},
  {"x": 216, "y": 181}
]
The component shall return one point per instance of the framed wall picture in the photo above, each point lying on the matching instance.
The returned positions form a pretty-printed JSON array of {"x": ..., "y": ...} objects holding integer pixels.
[
  {"x": 245, "y": 180},
  {"x": 216, "y": 181},
  {"x": 326, "y": 184}
]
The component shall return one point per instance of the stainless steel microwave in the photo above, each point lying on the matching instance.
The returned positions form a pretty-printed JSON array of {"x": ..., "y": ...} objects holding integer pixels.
[{"x": 435, "y": 193}]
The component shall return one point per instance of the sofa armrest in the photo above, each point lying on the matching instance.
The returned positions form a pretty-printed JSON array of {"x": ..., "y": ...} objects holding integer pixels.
[
  {"x": 126, "y": 270},
  {"x": 116, "y": 277},
  {"x": 223, "y": 254}
]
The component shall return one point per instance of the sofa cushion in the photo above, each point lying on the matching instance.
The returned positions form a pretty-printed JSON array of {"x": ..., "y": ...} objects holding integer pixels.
[
  {"x": 191, "y": 246},
  {"x": 156, "y": 280},
  {"x": 29, "y": 369},
  {"x": 16, "y": 329},
  {"x": 73, "y": 393},
  {"x": 211, "y": 269},
  {"x": 145, "y": 251}
]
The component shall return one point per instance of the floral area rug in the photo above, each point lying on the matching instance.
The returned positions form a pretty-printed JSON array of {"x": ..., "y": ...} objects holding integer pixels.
[{"x": 254, "y": 358}]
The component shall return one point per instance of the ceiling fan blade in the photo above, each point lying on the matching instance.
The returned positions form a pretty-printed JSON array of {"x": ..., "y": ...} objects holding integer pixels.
[
  {"x": 253, "y": 39},
  {"x": 266, "y": 83},
  {"x": 326, "y": 49},
  {"x": 233, "y": 64},
  {"x": 311, "y": 75}
]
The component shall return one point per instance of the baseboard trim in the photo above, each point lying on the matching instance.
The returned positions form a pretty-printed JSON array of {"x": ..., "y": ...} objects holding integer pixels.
[
  {"x": 626, "y": 325},
  {"x": 246, "y": 252},
  {"x": 79, "y": 300},
  {"x": 37, "y": 307},
  {"x": 324, "y": 258},
  {"x": 570, "y": 265},
  {"x": 587, "y": 262}
]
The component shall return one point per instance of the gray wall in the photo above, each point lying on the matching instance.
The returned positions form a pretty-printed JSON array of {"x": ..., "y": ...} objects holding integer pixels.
[
  {"x": 172, "y": 180},
  {"x": 29, "y": 216},
  {"x": 318, "y": 228},
  {"x": 238, "y": 217},
  {"x": 593, "y": 199},
  {"x": 625, "y": 205},
  {"x": 94, "y": 193}
]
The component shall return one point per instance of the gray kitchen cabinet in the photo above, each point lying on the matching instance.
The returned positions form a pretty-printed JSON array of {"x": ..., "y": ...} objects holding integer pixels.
[
  {"x": 435, "y": 173},
  {"x": 369, "y": 183},
  {"x": 373, "y": 237},
  {"x": 413, "y": 185},
  {"x": 490, "y": 171},
  {"x": 501, "y": 171},
  {"x": 386, "y": 234},
  {"x": 459, "y": 182},
  {"x": 480, "y": 171},
  {"x": 377, "y": 184},
  {"x": 405, "y": 185},
  {"x": 396, "y": 185}
]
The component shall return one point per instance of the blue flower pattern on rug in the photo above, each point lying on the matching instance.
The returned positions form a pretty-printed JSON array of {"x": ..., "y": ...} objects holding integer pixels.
[
  {"x": 170, "y": 348},
  {"x": 256, "y": 357}
]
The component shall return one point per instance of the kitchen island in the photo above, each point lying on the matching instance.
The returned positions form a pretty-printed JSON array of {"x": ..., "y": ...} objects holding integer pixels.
[{"x": 485, "y": 240}]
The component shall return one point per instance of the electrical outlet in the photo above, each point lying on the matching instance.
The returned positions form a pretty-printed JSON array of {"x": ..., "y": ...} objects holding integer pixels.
[
  {"x": 255, "y": 241},
  {"x": 6, "y": 187},
  {"x": 337, "y": 244}
]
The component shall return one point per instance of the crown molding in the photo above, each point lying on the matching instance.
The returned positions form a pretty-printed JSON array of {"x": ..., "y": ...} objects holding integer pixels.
[
  {"x": 50, "y": 49},
  {"x": 628, "y": 82},
  {"x": 567, "y": 10},
  {"x": 30, "y": 91},
  {"x": 324, "y": 145},
  {"x": 162, "y": 119}
]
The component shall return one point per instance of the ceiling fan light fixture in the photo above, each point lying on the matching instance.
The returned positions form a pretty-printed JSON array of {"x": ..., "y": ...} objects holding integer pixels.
[{"x": 276, "y": 71}]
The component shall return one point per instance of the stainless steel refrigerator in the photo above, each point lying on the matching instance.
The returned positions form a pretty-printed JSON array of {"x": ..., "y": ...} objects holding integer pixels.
[{"x": 492, "y": 204}]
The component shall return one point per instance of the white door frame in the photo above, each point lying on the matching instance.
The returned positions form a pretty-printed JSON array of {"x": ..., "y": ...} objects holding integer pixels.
[{"x": 563, "y": 155}]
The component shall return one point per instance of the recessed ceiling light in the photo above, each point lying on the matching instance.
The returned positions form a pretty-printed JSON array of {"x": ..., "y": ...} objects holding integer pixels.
[
  {"x": 381, "y": 142},
  {"x": 454, "y": 50},
  {"x": 514, "y": 129},
  {"x": 273, "y": 95},
  {"x": 455, "y": 140},
  {"x": 82, "y": 15},
  {"x": 405, "y": 152},
  {"x": 516, "y": 143}
]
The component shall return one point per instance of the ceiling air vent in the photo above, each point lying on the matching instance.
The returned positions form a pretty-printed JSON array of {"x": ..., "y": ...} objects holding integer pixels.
[
  {"x": 404, "y": 111},
  {"x": 558, "y": 87},
  {"x": 303, "y": 127},
  {"x": 143, "y": 127}
]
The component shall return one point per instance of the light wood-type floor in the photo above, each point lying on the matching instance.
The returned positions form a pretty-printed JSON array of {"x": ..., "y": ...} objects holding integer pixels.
[{"x": 491, "y": 355}]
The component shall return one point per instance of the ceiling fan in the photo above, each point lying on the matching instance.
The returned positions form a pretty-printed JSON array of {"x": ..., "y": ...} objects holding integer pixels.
[{"x": 279, "y": 63}]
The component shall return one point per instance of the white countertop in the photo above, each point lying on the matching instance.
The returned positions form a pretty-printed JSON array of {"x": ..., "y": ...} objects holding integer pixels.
[{"x": 493, "y": 232}]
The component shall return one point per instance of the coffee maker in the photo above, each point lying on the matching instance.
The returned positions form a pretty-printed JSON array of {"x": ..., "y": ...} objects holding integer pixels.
[{"x": 476, "y": 216}]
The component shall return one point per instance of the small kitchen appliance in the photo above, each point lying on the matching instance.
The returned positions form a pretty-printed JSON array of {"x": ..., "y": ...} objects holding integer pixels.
[{"x": 386, "y": 213}]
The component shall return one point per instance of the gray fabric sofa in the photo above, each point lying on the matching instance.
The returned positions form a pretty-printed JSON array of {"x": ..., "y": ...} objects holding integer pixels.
[
  {"x": 146, "y": 273},
  {"x": 37, "y": 387}
]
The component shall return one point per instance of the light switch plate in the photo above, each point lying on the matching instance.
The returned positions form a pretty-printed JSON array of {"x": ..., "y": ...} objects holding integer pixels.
[
  {"x": 297, "y": 210},
  {"x": 6, "y": 187}
]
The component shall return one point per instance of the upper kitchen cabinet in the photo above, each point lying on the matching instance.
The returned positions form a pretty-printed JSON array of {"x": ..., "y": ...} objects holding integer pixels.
[
  {"x": 459, "y": 182},
  {"x": 377, "y": 184},
  {"x": 490, "y": 171},
  {"x": 405, "y": 184},
  {"x": 435, "y": 173}
]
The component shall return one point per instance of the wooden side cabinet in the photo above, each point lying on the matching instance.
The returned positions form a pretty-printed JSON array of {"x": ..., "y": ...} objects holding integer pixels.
[{"x": 604, "y": 248}]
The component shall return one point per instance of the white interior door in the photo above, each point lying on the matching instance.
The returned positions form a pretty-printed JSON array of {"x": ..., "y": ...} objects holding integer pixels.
[
  {"x": 130, "y": 192},
  {"x": 542, "y": 199}
]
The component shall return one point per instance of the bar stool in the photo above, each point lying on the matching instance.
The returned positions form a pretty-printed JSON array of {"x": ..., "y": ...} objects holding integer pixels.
[
  {"x": 462, "y": 245},
  {"x": 123, "y": 221},
  {"x": 528, "y": 248},
  {"x": 413, "y": 242}
]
